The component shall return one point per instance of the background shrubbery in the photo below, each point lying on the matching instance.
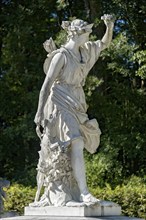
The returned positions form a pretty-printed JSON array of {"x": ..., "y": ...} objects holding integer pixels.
[
  {"x": 131, "y": 196},
  {"x": 19, "y": 196}
]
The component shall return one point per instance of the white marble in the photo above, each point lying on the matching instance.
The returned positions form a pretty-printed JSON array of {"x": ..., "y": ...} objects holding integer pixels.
[
  {"x": 110, "y": 208},
  {"x": 104, "y": 208},
  {"x": 62, "y": 211},
  {"x": 61, "y": 112}
]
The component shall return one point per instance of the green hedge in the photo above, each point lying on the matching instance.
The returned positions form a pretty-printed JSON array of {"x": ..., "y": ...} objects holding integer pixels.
[
  {"x": 131, "y": 196},
  {"x": 19, "y": 196}
]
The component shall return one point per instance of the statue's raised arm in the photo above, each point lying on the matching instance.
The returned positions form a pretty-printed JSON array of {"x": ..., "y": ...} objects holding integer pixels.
[{"x": 109, "y": 22}]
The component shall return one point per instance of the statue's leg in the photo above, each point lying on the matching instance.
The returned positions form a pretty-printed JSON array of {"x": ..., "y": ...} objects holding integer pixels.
[{"x": 78, "y": 166}]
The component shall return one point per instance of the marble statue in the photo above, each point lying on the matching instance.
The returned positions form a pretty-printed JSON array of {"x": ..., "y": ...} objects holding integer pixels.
[
  {"x": 61, "y": 113},
  {"x": 3, "y": 184}
]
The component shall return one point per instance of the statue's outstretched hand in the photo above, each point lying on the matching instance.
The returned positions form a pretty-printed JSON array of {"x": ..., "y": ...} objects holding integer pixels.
[{"x": 108, "y": 20}]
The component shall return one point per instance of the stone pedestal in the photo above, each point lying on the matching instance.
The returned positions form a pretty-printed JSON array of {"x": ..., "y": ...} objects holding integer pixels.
[{"x": 103, "y": 209}]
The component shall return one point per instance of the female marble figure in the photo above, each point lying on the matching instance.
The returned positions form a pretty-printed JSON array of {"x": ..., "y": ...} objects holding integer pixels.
[{"x": 61, "y": 112}]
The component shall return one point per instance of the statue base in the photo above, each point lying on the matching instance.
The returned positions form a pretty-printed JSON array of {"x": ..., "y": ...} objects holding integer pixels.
[{"x": 103, "y": 209}]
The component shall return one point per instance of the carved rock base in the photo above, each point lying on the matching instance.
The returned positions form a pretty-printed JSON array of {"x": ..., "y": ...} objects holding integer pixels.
[{"x": 103, "y": 209}]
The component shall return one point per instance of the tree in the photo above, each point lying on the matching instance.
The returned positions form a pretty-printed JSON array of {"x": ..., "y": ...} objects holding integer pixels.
[
  {"x": 115, "y": 88},
  {"x": 25, "y": 27}
]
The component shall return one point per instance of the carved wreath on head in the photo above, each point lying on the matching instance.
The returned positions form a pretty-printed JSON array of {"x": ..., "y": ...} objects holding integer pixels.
[{"x": 76, "y": 25}]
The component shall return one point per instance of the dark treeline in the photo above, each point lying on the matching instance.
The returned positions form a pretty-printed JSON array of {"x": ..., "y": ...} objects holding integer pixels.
[{"x": 115, "y": 88}]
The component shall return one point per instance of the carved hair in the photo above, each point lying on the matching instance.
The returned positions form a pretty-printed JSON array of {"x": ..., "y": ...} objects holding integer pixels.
[{"x": 76, "y": 27}]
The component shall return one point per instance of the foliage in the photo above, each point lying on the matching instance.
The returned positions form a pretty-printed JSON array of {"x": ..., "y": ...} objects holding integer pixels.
[
  {"x": 120, "y": 109},
  {"x": 25, "y": 26},
  {"x": 131, "y": 196},
  {"x": 140, "y": 58},
  {"x": 18, "y": 197}
]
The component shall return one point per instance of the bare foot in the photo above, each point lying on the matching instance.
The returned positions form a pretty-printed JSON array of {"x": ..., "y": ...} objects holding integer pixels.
[{"x": 88, "y": 198}]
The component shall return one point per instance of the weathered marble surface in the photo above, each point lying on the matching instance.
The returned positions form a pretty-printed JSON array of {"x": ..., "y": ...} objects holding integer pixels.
[{"x": 61, "y": 113}]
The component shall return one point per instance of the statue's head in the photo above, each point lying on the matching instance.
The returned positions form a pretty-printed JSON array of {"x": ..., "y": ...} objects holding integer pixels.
[{"x": 76, "y": 27}]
